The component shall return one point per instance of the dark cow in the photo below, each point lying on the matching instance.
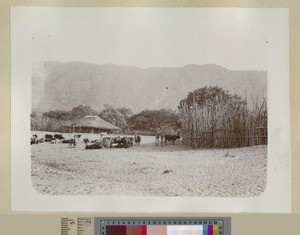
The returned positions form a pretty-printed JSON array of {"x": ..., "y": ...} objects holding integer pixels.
[
  {"x": 171, "y": 138},
  {"x": 48, "y": 138},
  {"x": 72, "y": 143},
  {"x": 137, "y": 139},
  {"x": 86, "y": 141},
  {"x": 126, "y": 142},
  {"x": 115, "y": 141},
  {"x": 119, "y": 142},
  {"x": 130, "y": 141},
  {"x": 34, "y": 139},
  {"x": 122, "y": 143},
  {"x": 95, "y": 145},
  {"x": 59, "y": 137}
]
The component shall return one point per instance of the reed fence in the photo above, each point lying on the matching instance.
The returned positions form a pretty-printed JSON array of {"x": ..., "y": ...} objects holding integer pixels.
[{"x": 224, "y": 125}]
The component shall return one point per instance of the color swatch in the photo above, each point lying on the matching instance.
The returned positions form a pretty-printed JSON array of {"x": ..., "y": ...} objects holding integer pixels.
[
  {"x": 156, "y": 230},
  {"x": 162, "y": 230}
]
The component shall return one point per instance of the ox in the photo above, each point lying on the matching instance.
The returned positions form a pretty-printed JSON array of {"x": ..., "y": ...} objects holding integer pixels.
[
  {"x": 123, "y": 142},
  {"x": 48, "y": 138},
  {"x": 137, "y": 139},
  {"x": 72, "y": 143},
  {"x": 86, "y": 141},
  {"x": 34, "y": 140},
  {"x": 59, "y": 136},
  {"x": 171, "y": 138},
  {"x": 95, "y": 145}
]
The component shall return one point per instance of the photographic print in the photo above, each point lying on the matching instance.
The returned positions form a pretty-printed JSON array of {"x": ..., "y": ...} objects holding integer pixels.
[
  {"x": 125, "y": 123},
  {"x": 139, "y": 109}
]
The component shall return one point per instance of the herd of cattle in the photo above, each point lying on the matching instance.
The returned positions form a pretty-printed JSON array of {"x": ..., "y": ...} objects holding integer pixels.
[
  {"x": 53, "y": 139},
  {"x": 112, "y": 142},
  {"x": 103, "y": 142}
]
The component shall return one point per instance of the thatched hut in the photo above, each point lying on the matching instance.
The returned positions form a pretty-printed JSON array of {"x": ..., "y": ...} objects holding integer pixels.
[{"x": 91, "y": 124}]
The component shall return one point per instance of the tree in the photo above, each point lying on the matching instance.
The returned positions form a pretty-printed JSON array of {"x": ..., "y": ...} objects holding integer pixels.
[
  {"x": 125, "y": 112},
  {"x": 75, "y": 113},
  {"x": 58, "y": 115},
  {"x": 81, "y": 111},
  {"x": 114, "y": 116},
  {"x": 154, "y": 120}
]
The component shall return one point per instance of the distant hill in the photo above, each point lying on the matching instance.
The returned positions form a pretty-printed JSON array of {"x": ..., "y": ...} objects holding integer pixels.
[{"x": 61, "y": 86}]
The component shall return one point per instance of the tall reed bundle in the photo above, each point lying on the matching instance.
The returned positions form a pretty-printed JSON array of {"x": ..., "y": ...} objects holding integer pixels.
[{"x": 222, "y": 121}]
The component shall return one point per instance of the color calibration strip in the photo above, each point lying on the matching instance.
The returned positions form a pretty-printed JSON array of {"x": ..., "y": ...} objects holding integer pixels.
[
  {"x": 164, "y": 230},
  {"x": 162, "y": 227}
]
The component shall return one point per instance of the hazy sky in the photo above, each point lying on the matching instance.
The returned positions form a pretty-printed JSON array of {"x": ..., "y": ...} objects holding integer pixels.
[{"x": 143, "y": 45}]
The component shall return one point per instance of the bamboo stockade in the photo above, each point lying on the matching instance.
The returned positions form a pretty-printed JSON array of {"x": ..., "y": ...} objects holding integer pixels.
[{"x": 223, "y": 124}]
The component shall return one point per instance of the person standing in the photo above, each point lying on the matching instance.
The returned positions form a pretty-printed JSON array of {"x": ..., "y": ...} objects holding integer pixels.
[
  {"x": 138, "y": 139},
  {"x": 157, "y": 140},
  {"x": 161, "y": 140}
]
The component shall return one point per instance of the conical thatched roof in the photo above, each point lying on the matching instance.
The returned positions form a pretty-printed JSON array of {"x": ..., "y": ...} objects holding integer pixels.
[{"x": 95, "y": 122}]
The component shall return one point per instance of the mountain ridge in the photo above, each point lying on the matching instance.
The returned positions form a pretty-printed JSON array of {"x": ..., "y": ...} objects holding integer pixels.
[{"x": 63, "y": 85}]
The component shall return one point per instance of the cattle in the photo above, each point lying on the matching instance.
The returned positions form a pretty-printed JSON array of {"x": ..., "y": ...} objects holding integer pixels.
[
  {"x": 34, "y": 140},
  {"x": 106, "y": 142},
  {"x": 72, "y": 143},
  {"x": 120, "y": 142},
  {"x": 41, "y": 140},
  {"x": 76, "y": 137},
  {"x": 59, "y": 136},
  {"x": 96, "y": 145},
  {"x": 115, "y": 141},
  {"x": 48, "y": 138},
  {"x": 124, "y": 142},
  {"x": 171, "y": 138},
  {"x": 137, "y": 139},
  {"x": 131, "y": 141},
  {"x": 86, "y": 141}
]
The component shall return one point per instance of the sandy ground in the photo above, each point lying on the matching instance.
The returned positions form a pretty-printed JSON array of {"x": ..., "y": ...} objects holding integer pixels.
[{"x": 148, "y": 170}]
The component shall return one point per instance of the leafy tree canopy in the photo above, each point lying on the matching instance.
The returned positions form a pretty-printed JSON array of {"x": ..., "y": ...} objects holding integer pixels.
[
  {"x": 154, "y": 120},
  {"x": 81, "y": 111},
  {"x": 115, "y": 116},
  {"x": 76, "y": 113},
  {"x": 125, "y": 112}
]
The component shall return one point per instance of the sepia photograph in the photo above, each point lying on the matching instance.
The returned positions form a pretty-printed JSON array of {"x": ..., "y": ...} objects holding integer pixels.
[
  {"x": 140, "y": 103},
  {"x": 149, "y": 111}
]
